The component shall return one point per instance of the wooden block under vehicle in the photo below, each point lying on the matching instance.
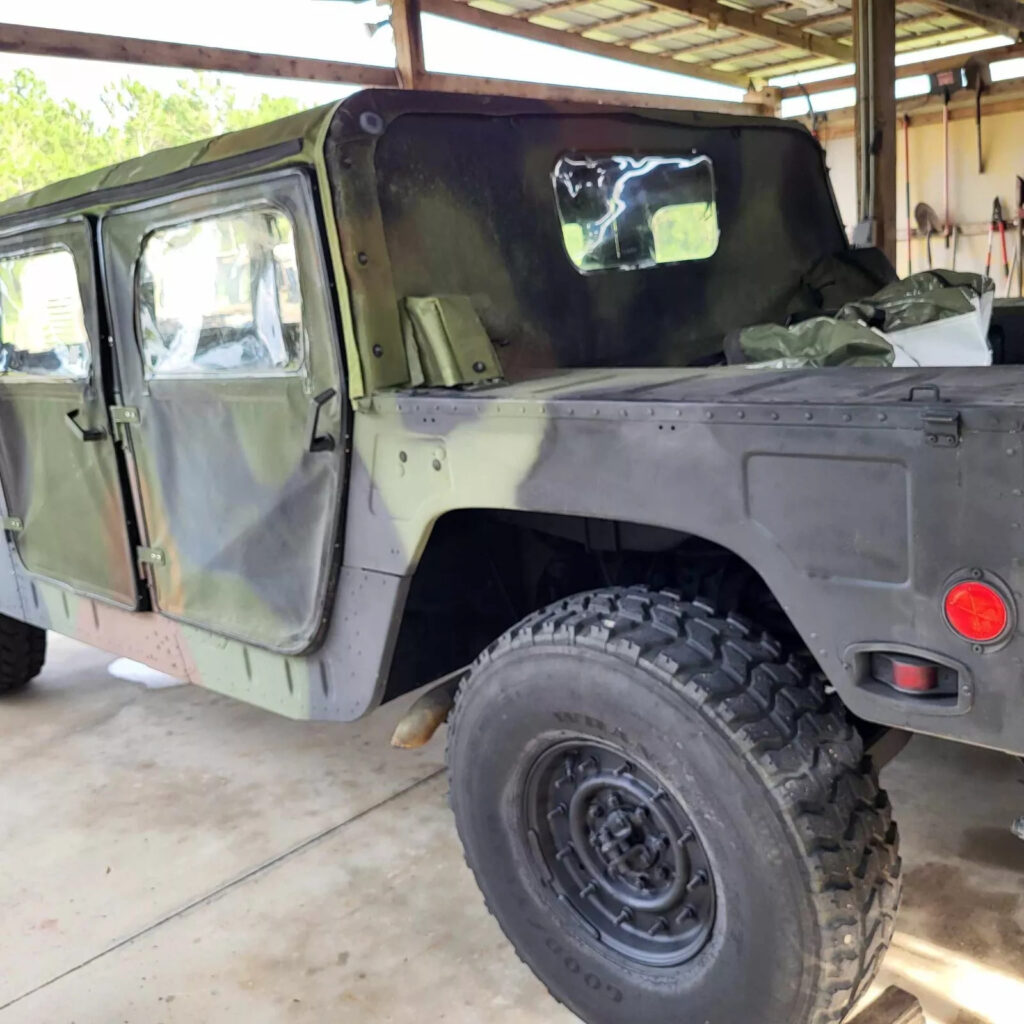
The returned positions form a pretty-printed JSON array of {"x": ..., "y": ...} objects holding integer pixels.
[{"x": 893, "y": 1006}]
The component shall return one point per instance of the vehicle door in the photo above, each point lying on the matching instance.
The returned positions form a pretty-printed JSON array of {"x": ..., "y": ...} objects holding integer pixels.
[
  {"x": 231, "y": 381},
  {"x": 64, "y": 504}
]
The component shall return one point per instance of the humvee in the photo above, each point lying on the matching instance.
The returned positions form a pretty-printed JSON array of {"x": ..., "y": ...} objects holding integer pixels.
[{"x": 420, "y": 387}]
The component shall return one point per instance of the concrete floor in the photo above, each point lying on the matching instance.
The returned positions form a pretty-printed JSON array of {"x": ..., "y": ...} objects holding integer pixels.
[{"x": 171, "y": 856}]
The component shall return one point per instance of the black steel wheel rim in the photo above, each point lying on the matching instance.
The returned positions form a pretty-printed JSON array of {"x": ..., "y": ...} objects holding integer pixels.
[{"x": 619, "y": 852}]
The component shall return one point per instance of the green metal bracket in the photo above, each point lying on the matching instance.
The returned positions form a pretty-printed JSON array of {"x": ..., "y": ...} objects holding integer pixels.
[
  {"x": 151, "y": 556},
  {"x": 12, "y": 523},
  {"x": 124, "y": 414}
]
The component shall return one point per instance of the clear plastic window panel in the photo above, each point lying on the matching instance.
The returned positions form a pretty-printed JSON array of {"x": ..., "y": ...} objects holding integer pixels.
[
  {"x": 220, "y": 296},
  {"x": 633, "y": 212},
  {"x": 42, "y": 326}
]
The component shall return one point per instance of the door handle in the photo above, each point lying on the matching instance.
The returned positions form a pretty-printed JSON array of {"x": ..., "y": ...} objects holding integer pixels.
[
  {"x": 83, "y": 434},
  {"x": 320, "y": 442}
]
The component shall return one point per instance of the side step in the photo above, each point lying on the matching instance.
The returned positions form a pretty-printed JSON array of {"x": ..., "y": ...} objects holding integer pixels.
[{"x": 893, "y": 1006}]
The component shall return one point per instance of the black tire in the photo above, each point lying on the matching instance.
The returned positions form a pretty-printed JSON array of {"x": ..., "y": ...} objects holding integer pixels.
[
  {"x": 759, "y": 757},
  {"x": 22, "y": 653}
]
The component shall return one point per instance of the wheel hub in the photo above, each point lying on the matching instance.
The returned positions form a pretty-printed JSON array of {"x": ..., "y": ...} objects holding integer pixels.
[{"x": 619, "y": 850}]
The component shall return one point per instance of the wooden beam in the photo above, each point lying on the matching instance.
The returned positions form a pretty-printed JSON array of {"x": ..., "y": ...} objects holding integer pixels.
[
  {"x": 998, "y": 98},
  {"x": 458, "y": 11},
  {"x": 754, "y": 25},
  {"x": 50, "y": 42},
  {"x": 874, "y": 34},
  {"x": 682, "y": 30},
  {"x": 551, "y": 10},
  {"x": 1008, "y": 14},
  {"x": 632, "y": 19},
  {"x": 568, "y": 94},
  {"x": 922, "y": 67},
  {"x": 809, "y": 62},
  {"x": 408, "y": 32},
  {"x": 717, "y": 44},
  {"x": 939, "y": 37}
]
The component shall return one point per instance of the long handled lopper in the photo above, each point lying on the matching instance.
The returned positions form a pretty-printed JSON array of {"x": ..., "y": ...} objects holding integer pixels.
[{"x": 997, "y": 224}]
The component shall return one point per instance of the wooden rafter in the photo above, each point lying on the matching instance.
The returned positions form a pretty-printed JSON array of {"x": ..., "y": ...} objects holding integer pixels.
[
  {"x": 1008, "y": 14},
  {"x": 754, "y": 25},
  {"x": 923, "y": 67},
  {"x": 717, "y": 44},
  {"x": 940, "y": 36},
  {"x": 809, "y": 62},
  {"x": 632, "y": 19},
  {"x": 683, "y": 30},
  {"x": 732, "y": 62},
  {"x": 749, "y": 22},
  {"x": 408, "y": 33},
  {"x": 551, "y": 10},
  {"x": 51, "y": 42},
  {"x": 561, "y": 94},
  {"x": 529, "y": 30}
]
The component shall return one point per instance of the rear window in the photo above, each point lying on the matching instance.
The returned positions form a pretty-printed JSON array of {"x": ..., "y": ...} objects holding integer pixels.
[
  {"x": 220, "y": 296},
  {"x": 633, "y": 212},
  {"x": 42, "y": 327}
]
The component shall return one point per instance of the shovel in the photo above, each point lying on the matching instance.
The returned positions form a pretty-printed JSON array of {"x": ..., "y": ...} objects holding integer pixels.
[{"x": 928, "y": 224}]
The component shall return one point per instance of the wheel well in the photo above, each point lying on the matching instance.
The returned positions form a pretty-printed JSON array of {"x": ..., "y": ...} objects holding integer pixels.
[{"x": 483, "y": 570}]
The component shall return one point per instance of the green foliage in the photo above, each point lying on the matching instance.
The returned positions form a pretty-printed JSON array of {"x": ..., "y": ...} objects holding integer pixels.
[
  {"x": 43, "y": 139},
  {"x": 685, "y": 231}
]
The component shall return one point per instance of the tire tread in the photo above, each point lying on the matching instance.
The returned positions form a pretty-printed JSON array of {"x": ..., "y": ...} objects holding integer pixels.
[{"x": 790, "y": 729}]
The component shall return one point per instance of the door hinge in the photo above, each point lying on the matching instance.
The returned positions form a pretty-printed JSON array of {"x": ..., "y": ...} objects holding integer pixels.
[
  {"x": 123, "y": 416},
  {"x": 151, "y": 556},
  {"x": 12, "y": 523},
  {"x": 941, "y": 428}
]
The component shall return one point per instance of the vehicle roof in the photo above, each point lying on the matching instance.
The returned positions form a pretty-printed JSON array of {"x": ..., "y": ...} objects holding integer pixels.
[
  {"x": 304, "y": 129},
  {"x": 303, "y": 134}
]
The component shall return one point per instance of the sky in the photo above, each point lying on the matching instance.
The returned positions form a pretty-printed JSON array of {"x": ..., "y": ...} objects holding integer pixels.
[{"x": 337, "y": 30}]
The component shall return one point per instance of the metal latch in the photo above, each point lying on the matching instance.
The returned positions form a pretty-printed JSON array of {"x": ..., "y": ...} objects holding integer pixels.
[
  {"x": 941, "y": 428},
  {"x": 151, "y": 556},
  {"x": 124, "y": 414},
  {"x": 12, "y": 523}
]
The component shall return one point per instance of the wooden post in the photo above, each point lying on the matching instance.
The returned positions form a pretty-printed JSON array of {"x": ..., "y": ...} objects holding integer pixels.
[
  {"x": 874, "y": 42},
  {"x": 408, "y": 32}
]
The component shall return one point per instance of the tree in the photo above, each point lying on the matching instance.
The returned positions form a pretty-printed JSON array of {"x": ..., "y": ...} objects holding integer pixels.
[{"x": 43, "y": 139}]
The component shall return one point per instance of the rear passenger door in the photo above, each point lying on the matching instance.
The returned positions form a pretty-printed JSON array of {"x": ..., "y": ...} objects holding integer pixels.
[
  {"x": 64, "y": 506},
  {"x": 231, "y": 404}
]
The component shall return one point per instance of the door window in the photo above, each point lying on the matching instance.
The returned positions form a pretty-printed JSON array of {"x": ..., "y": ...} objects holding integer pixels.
[
  {"x": 220, "y": 296},
  {"x": 42, "y": 326}
]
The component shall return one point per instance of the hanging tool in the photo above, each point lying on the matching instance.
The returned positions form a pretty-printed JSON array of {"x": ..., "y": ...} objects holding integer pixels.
[
  {"x": 1020, "y": 237},
  {"x": 945, "y": 161},
  {"x": 996, "y": 224},
  {"x": 906, "y": 167},
  {"x": 947, "y": 82},
  {"x": 927, "y": 224},
  {"x": 956, "y": 244},
  {"x": 978, "y": 79}
]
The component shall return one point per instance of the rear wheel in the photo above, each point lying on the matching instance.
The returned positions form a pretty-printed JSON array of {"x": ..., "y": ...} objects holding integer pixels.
[
  {"x": 669, "y": 820},
  {"x": 22, "y": 653}
]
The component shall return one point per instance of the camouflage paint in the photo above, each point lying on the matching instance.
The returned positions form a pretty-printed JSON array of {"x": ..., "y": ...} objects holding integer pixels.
[{"x": 824, "y": 481}]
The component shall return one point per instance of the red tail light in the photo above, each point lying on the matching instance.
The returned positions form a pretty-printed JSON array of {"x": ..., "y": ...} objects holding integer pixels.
[{"x": 976, "y": 611}]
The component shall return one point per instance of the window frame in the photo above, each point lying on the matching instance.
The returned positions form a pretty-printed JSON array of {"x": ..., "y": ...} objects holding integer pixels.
[
  {"x": 40, "y": 248},
  {"x": 301, "y": 367},
  {"x": 695, "y": 159}
]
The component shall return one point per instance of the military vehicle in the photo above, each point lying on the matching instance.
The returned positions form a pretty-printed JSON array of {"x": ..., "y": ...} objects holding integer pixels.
[{"x": 420, "y": 387}]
